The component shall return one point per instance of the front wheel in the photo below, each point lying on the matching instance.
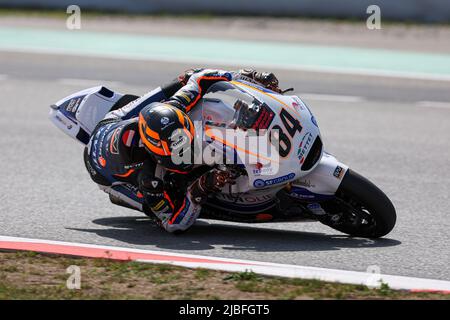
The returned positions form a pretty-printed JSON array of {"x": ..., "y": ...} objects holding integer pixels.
[{"x": 360, "y": 208}]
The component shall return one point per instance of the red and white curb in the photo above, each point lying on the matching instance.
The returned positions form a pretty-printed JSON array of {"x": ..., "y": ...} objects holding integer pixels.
[{"x": 224, "y": 264}]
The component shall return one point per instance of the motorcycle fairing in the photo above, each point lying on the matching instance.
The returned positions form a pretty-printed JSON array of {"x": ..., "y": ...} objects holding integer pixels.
[
  {"x": 216, "y": 112},
  {"x": 322, "y": 183},
  {"x": 78, "y": 114}
]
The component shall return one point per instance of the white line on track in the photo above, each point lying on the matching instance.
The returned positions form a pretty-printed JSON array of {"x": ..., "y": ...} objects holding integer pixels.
[
  {"x": 330, "y": 97},
  {"x": 225, "y": 264},
  {"x": 88, "y": 82},
  {"x": 237, "y": 62},
  {"x": 375, "y": 73},
  {"x": 434, "y": 104}
]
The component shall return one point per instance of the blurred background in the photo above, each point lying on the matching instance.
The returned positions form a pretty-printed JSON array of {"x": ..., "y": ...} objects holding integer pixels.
[
  {"x": 412, "y": 10},
  {"x": 377, "y": 79}
]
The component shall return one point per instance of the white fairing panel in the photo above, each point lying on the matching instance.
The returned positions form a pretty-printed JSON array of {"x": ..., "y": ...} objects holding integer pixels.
[
  {"x": 93, "y": 110},
  {"x": 325, "y": 178},
  {"x": 78, "y": 114}
]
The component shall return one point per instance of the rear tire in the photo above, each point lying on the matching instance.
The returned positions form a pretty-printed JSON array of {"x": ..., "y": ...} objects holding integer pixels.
[{"x": 361, "y": 200}]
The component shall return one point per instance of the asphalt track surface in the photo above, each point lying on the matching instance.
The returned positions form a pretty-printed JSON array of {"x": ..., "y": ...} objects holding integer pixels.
[{"x": 380, "y": 127}]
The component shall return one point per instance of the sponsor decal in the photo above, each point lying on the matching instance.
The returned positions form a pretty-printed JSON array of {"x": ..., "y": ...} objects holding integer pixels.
[
  {"x": 90, "y": 169},
  {"x": 298, "y": 107},
  {"x": 168, "y": 124},
  {"x": 305, "y": 194},
  {"x": 127, "y": 137},
  {"x": 301, "y": 196},
  {"x": 259, "y": 183},
  {"x": 304, "y": 146},
  {"x": 133, "y": 166},
  {"x": 304, "y": 183},
  {"x": 68, "y": 126},
  {"x": 132, "y": 188},
  {"x": 184, "y": 95},
  {"x": 198, "y": 199},
  {"x": 94, "y": 145},
  {"x": 73, "y": 104},
  {"x": 179, "y": 142},
  {"x": 164, "y": 121},
  {"x": 338, "y": 172},
  {"x": 154, "y": 183},
  {"x": 263, "y": 171},
  {"x": 297, "y": 104},
  {"x": 159, "y": 205},
  {"x": 102, "y": 132},
  {"x": 245, "y": 198}
]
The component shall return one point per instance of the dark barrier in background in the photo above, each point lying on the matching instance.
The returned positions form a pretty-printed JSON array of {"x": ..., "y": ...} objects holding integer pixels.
[{"x": 413, "y": 10}]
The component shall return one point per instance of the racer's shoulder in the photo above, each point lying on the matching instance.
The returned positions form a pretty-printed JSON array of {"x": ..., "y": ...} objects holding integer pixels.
[{"x": 129, "y": 133}]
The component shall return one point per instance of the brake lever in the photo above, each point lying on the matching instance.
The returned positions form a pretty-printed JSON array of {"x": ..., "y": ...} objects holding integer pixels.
[{"x": 287, "y": 90}]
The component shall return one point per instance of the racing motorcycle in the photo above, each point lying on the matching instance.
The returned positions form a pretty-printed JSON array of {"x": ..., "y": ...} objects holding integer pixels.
[{"x": 303, "y": 181}]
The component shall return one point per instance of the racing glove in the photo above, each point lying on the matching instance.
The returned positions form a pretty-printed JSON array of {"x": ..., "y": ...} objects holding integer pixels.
[
  {"x": 211, "y": 181},
  {"x": 267, "y": 79},
  {"x": 184, "y": 77}
]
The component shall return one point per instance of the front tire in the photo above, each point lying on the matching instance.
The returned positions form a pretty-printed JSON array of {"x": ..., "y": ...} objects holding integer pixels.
[{"x": 361, "y": 209}]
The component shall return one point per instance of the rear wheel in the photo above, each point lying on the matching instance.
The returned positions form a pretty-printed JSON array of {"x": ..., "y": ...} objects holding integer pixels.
[{"x": 360, "y": 208}]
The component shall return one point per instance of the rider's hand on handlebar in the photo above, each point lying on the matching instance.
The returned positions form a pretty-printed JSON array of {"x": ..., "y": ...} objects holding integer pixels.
[
  {"x": 267, "y": 79},
  {"x": 214, "y": 180},
  {"x": 183, "y": 78}
]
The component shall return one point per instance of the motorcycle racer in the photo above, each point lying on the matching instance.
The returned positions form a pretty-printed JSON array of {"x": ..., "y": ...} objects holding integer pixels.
[{"x": 127, "y": 145}]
